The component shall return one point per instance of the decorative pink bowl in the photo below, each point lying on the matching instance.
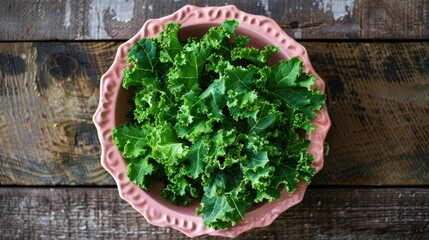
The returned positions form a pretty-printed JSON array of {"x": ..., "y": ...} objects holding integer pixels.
[{"x": 195, "y": 21}]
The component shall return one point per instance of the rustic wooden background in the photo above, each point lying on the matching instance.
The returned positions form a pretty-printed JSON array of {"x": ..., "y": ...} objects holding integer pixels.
[{"x": 373, "y": 55}]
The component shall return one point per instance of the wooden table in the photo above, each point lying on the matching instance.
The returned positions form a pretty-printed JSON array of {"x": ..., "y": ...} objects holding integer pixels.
[{"x": 373, "y": 55}]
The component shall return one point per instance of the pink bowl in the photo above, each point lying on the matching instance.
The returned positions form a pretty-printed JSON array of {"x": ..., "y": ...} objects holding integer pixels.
[{"x": 195, "y": 21}]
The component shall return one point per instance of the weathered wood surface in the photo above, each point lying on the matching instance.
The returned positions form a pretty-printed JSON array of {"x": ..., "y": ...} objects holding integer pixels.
[
  {"x": 378, "y": 100},
  {"x": 119, "y": 19},
  {"x": 48, "y": 94},
  {"x": 89, "y": 213}
]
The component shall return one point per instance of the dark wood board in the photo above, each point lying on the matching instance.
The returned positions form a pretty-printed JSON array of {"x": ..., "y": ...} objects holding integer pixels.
[
  {"x": 49, "y": 92},
  {"x": 378, "y": 100},
  {"x": 309, "y": 19},
  {"x": 325, "y": 213},
  {"x": 378, "y": 95}
]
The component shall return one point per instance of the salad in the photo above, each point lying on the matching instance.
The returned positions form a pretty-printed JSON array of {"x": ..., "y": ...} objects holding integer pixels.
[{"x": 215, "y": 122}]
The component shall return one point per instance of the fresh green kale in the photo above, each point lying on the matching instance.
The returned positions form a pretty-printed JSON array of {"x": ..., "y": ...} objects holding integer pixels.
[{"x": 214, "y": 121}]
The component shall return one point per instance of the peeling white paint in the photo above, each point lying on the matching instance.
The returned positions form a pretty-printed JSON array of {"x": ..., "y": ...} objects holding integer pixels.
[
  {"x": 79, "y": 37},
  {"x": 23, "y": 203},
  {"x": 122, "y": 10},
  {"x": 149, "y": 7},
  {"x": 297, "y": 33},
  {"x": 96, "y": 24},
  {"x": 264, "y": 4},
  {"x": 67, "y": 18},
  {"x": 339, "y": 9}
]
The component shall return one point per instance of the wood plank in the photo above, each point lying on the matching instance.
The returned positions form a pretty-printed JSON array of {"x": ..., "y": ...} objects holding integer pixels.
[
  {"x": 118, "y": 19},
  {"x": 378, "y": 96},
  {"x": 48, "y": 94},
  {"x": 88, "y": 213},
  {"x": 378, "y": 100}
]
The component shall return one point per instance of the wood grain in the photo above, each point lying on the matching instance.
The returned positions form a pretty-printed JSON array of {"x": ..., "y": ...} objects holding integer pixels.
[
  {"x": 309, "y": 19},
  {"x": 49, "y": 92},
  {"x": 378, "y": 95},
  {"x": 350, "y": 213},
  {"x": 378, "y": 100}
]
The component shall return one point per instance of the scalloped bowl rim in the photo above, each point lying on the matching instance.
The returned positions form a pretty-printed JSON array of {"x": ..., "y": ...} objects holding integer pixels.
[{"x": 180, "y": 218}]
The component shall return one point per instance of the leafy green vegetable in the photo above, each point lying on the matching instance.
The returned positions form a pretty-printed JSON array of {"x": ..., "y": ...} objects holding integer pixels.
[{"x": 214, "y": 121}]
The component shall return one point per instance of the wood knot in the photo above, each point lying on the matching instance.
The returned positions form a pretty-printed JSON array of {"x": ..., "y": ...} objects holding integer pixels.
[
  {"x": 294, "y": 24},
  {"x": 62, "y": 67},
  {"x": 74, "y": 133}
]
